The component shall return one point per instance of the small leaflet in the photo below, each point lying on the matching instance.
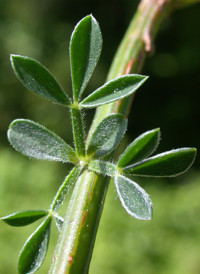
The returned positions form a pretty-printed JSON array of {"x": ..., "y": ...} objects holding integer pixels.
[
  {"x": 167, "y": 164},
  {"x": 114, "y": 90},
  {"x": 107, "y": 135},
  {"x": 85, "y": 50},
  {"x": 34, "y": 76},
  {"x": 35, "y": 248},
  {"x": 36, "y": 141},
  {"x": 133, "y": 198},
  {"x": 140, "y": 148},
  {"x": 24, "y": 217}
]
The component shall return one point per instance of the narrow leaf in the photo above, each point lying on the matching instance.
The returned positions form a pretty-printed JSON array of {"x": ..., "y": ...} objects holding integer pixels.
[
  {"x": 103, "y": 168},
  {"x": 34, "y": 140},
  {"x": 25, "y": 217},
  {"x": 38, "y": 79},
  {"x": 65, "y": 187},
  {"x": 85, "y": 49},
  {"x": 107, "y": 135},
  {"x": 35, "y": 248},
  {"x": 114, "y": 90},
  {"x": 167, "y": 164},
  {"x": 140, "y": 148},
  {"x": 59, "y": 222},
  {"x": 134, "y": 198}
]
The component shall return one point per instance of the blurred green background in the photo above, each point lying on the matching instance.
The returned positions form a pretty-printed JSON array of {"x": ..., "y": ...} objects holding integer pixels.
[{"x": 170, "y": 243}]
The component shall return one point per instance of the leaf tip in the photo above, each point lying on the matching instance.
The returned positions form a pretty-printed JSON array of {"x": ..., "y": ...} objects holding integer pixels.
[
  {"x": 13, "y": 57},
  {"x": 145, "y": 78}
]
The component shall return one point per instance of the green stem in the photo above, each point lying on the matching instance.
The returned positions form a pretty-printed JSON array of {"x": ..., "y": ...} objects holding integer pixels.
[
  {"x": 78, "y": 131},
  {"x": 76, "y": 240},
  {"x": 75, "y": 244},
  {"x": 135, "y": 46}
]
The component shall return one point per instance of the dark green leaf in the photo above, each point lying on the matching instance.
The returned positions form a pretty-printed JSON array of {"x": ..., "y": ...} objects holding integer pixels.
[
  {"x": 116, "y": 89},
  {"x": 35, "y": 248},
  {"x": 140, "y": 148},
  {"x": 103, "y": 168},
  {"x": 134, "y": 198},
  {"x": 59, "y": 222},
  {"x": 25, "y": 217},
  {"x": 167, "y": 164},
  {"x": 85, "y": 49},
  {"x": 38, "y": 79},
  {"x": 34, "y": 140},
  {"x": 107, "y": 135}
]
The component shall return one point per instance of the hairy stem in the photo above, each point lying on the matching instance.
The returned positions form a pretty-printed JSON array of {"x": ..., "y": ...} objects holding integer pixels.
[
  {"x": 76, "y": 241},
  {"x": 78, "y": 131}
]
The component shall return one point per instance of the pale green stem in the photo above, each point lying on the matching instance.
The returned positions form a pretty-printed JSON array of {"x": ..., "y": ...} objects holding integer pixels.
[
  {"x": 76, "y": 241},
  {"x": 78, "y": 131},
  {"x": 72, "y": 254}
]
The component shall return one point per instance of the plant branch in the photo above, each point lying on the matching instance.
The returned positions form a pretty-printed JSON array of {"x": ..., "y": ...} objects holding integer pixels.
[
  {"x": 76, "y": 241},
  {"x": 137, "y": 44}
]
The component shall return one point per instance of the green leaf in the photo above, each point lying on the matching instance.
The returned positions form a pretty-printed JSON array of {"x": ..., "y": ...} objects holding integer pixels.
[
  {"x": 35, "y": 248},
  {"x": 114, "y": 90},
  {"x": 167, "y": 164},
  {"x": 140, "y": 148},
  {"x": 85, "y": 49},
  {"x": 65, "y": 187},
  {"x": 59, "y": 222},
  {"x": 103, "y": 168},
  {"x": 25, "y": 217},
  {"x": 34, "y": 140},
  {"x": 107, "y": 135},
  {"x": 38, "y": 79},
  {"x": 133, "y": 198}
]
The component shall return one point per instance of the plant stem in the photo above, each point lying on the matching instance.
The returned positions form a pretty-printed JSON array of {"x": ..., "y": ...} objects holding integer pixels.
[
  {"x": 78, "y": 131},
  {"x": 75, "y": 244},
  {"x": 74, "y": 249}
]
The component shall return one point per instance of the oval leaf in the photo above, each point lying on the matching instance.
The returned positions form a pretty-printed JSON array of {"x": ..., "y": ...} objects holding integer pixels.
[
  {"x": 140, "y": 148},
  {"x": 34, "y": 140},
  {"x": 107, "y": 135},
  {"x": 38, "y": 79},
  {"x": 35, "y": 248},
  {"x": 116, "y": 89},
  {"x": 134, "y": 198},
  {"x": 167, "y": 164},
  {"x": 25, "y": 217},
  {"x": 85, "y": 49}
]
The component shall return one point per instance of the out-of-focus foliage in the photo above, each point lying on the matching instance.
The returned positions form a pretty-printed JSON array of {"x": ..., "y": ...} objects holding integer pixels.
[{"x": 167, "y": 244}]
